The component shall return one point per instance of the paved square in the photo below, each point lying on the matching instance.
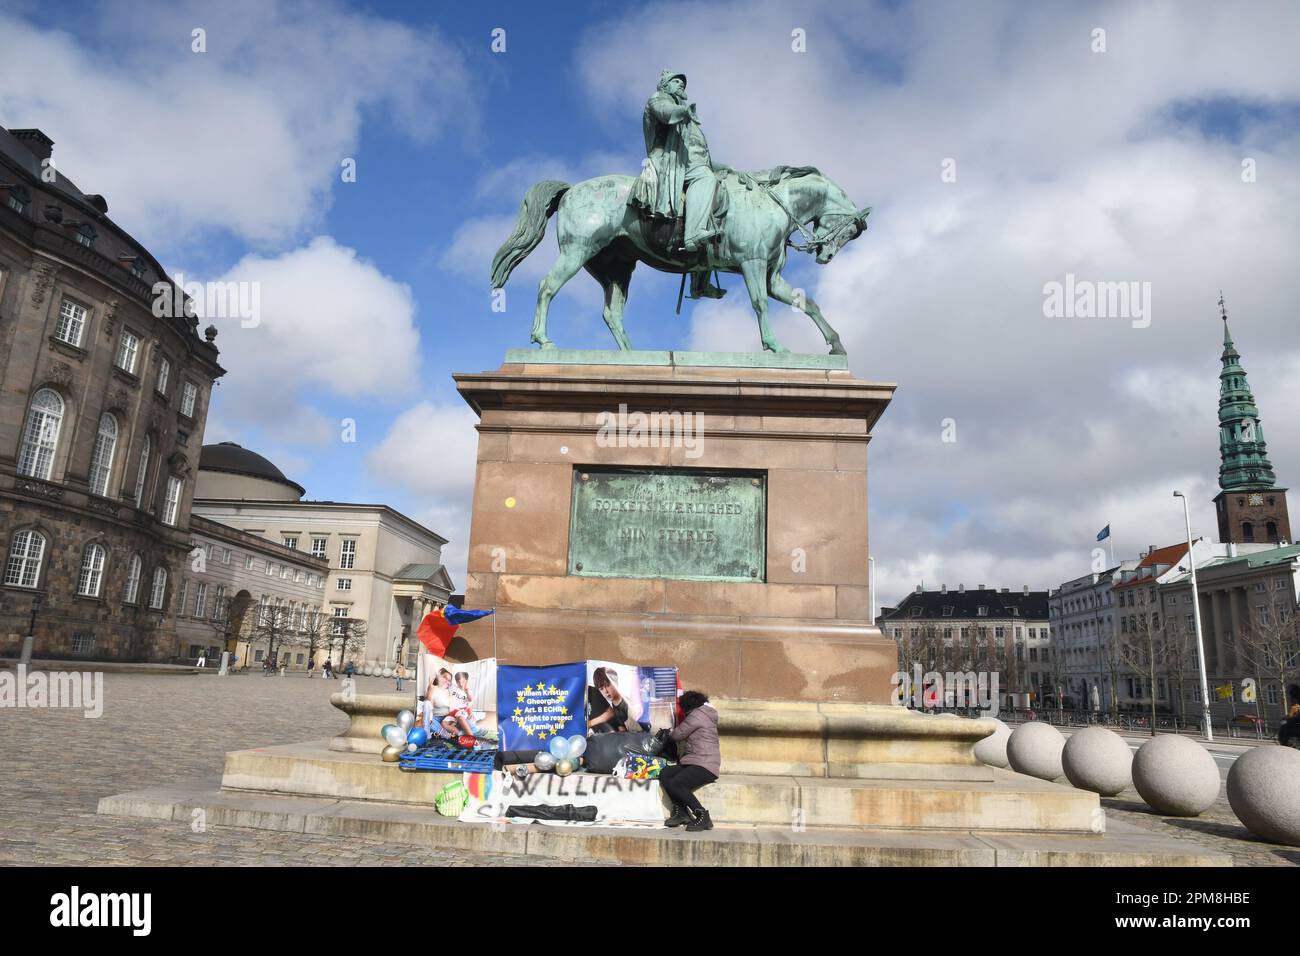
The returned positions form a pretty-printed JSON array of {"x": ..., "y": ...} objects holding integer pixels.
[{"x": 156, "y": 729}]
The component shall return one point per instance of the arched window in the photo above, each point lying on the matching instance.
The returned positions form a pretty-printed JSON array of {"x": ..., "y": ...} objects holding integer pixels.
[
  {"x": 142, "y": 472},
  {"x": 1271, "y": 527},
  {"x": 92, "y": 571},
  {"x": 1247, "y": 531},
  {"x": 41, "y": 436},
  {"x": 159, "y": 590},
  {"x": 101, "y": 462},
  {"x": 26, "y": 550},
  {"x": 132, "y": 593}
]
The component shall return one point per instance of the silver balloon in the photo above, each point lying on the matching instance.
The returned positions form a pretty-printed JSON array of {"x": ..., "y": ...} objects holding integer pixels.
[
  {"x": 577, "y": 746},
  {"x": 565, "y": 767},
  {"x": 405, "y": 719},
  {"x": 559, "y": 748},
  {"x": 544, "y": 761},
  {"x": 395, "y": 737}
]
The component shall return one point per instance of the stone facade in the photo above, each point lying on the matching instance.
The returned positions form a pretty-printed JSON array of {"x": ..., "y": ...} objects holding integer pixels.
[
  {"x": 228, "y": 577},
  {"x": 982, "y": 629},
  {"x": 89, "y": 377}
]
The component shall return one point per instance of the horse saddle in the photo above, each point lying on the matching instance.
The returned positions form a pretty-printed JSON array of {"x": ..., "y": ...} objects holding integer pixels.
[{"x": 666, "y": 235}]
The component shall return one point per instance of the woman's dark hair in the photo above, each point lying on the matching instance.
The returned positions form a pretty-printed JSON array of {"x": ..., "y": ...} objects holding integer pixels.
[
  {"x": 692, "y": 699},
  {"x": 443, "y": 670}
]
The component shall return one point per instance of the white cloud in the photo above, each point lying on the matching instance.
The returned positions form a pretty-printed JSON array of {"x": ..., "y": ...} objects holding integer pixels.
[
  {"x": 432, "y": 450},
  {"x": 247, "y": 137},
  {"x": 330, "y": 323}
]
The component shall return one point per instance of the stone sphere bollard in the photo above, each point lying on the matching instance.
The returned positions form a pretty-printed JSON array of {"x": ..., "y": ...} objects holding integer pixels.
[
  {"x": 1264, "y": 792},
  {"x": 386, "y": 672},
  {"x": 368, "y": 670},
  {"x": 992, "y": 750},
  {"x": 1098, "y": 760},
  {"x": 1035, "y": 748},
  {"x": 1176, "y": 776}
]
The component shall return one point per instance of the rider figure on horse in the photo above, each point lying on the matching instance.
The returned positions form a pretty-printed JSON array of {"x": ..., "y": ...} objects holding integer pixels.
[{"x": 678, "y": 162}]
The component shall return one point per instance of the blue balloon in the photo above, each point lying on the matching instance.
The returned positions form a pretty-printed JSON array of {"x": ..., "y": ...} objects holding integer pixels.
[{"x": 418, "y": 736}]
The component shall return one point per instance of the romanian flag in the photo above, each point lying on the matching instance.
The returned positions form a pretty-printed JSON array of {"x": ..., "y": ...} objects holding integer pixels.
[{"x": 439, "y": 627}]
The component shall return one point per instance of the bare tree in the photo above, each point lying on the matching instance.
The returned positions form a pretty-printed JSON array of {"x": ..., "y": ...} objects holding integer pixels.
[
  {"x": 347, "y": 634},
  {"x": 1270, "y": 644},
  {"x": 274, "y": 624},
  {"x": 315, "y": 632},
  {"x": 1141, "y": 651},
  {"x": 1179, "y": 651}
]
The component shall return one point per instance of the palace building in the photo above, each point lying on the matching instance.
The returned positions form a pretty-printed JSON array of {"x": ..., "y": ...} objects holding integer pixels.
[{"x": 102, "y": 410}]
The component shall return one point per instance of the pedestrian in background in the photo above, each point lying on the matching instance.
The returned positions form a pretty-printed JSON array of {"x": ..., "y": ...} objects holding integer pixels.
[{"x": 400, "y": 673}]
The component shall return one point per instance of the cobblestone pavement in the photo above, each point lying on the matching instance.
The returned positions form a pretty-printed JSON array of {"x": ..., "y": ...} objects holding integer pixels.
[
  {"x": 160, "y": 729},
  {"x": 1215, "y": 829}
]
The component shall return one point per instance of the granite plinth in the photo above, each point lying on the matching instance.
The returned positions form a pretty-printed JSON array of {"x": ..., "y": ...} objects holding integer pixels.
[{"x": 800, "y": 629}]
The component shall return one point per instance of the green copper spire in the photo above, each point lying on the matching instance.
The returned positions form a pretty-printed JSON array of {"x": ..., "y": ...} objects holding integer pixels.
[{"x": 1243, "y": 453}]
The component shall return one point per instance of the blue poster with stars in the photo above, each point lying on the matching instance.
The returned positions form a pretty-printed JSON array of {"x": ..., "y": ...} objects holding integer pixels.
[{"x": 535, "y": 704}]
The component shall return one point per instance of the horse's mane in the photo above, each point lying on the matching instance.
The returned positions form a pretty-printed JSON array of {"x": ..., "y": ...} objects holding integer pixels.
[{"x": 770, "y": 177}]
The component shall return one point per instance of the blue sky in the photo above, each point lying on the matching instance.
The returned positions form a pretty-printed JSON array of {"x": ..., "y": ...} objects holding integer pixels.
[{"x": 1117, "y": 164}]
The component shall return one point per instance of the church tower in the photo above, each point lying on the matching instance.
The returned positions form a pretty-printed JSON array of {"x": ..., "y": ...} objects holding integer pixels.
[{"x": 1250, "y": 507}]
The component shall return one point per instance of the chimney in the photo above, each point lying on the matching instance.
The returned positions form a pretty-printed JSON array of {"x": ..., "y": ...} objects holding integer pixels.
[
  {"x": 1006, "y": 590},
  {"x": 943, "y": 589},
  {"x": 37, "y": 143},
  {"x": 918, "y": 589},
  {"x": 980, "y": 588},
  {"x": 961, "y": 589},
  {"x": 1026, "y": 588}
]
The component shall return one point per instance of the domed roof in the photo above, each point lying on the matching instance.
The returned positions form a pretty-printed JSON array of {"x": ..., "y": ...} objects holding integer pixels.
[{"x": 237, "y": 460}]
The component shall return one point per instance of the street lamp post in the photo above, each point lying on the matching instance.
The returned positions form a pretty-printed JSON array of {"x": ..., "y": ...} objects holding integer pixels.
[{"x": 1196, "y": 616}]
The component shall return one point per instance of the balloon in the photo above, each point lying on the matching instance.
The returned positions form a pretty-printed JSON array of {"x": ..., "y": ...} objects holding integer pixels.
[
  {"x": 405, "y": 719},
  {"x": 411, "y": 748},
  {"x": 577, "y": 746},
  {"x": 544, "y": 761},
  {"x": 418, "y": 736},
  {"x": 396, "y": 737},
  {"x": 391, "y": 754},
  {"x": 559, "y": 748},
  {"x": 383, "y": 731},
  {"x": 565, "y": 767}
]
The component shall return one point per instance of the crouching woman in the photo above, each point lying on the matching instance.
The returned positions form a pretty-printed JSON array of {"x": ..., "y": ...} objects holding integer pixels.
[{"x": 700, "y": 760}]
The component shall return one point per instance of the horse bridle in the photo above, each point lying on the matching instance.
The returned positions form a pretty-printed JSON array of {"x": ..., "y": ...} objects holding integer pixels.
[{"x": 811, "y": 242}]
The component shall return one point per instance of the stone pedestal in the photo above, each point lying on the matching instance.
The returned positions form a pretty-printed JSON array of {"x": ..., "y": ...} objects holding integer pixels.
[{"x": 799, "y": 629}]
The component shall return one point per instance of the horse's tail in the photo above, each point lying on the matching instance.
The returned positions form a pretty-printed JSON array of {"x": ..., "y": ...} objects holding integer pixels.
[{"x": 539, "y": 205}]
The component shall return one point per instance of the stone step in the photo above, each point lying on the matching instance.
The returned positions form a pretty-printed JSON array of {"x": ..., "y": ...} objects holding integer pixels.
[
  {"x": 1122, "y": 845},
  {"x": 913, "y": 796}
]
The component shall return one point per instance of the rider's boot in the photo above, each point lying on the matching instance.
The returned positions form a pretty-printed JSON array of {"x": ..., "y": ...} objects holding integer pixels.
[{"x": 702, "y": 288}]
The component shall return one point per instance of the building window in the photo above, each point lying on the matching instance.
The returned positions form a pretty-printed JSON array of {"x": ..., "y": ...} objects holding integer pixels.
[
  {"x": 189, "y": 395},
  {"x": 1272, "y": 693},
  {"x": 164, "y": 372},
  {"x": 19, "y": 197},
  {"x": 318, "y": 547},
  {"x": 128, "y": 350},
  {"x": 142, "y": 471},
  {"x": 41, "y": 435},
  {"x": 225, "y": 555},
  {"x": 92, "y": 571},
  {"x": 25, "y": 552},
  {"x": 137, "y": 267},
  {"x": 291, "y": 544},
  {"x": 83, "y": 642},
  {"x": 982, "y": 611},
  {"x": 284, "y": 571},
  {"x": 86, "y": 235},
  {"x": 339, "y": 623},
  {"x": 219, "y": 603},
  {"x": 270, "y": 569},
  {"x": 72, "y": 322},
  {"x": 200, "y": 599},
  {"x": 263, "y": 612},
  {"x": 172, "y": 507},
  {"x": 248, "y": 562},
  {"x": 1247, "y": 531},
  {"x": 347, "y": 553},
  {"x": 343, "y": 584},
  {"x": 134, "y": 570},
  {"x": 101, "y": 462},
  {"x": 297, "y": 577},
  {"x": 159, "y": 590}
]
